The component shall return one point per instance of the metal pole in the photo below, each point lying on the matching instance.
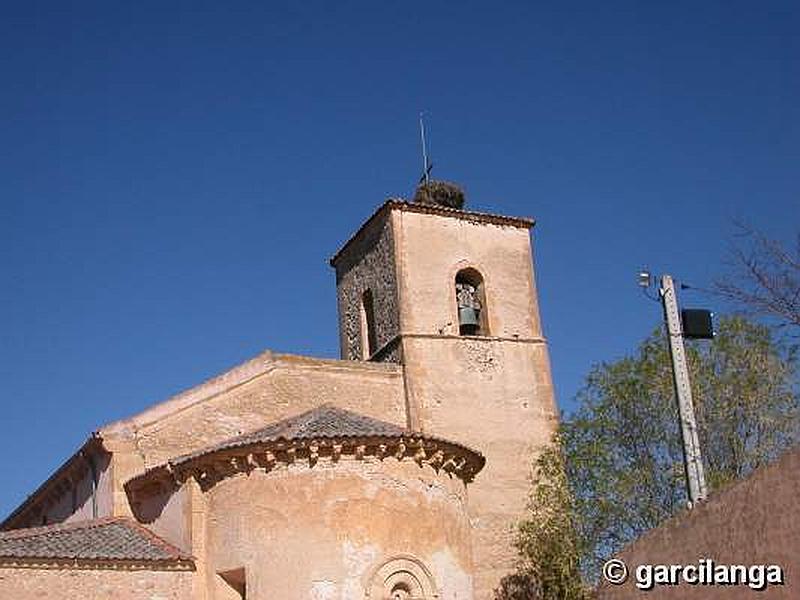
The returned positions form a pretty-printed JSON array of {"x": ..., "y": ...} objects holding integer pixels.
[
  {"x": 695, "y": 475},
  {"x": 424, "y": 150}
]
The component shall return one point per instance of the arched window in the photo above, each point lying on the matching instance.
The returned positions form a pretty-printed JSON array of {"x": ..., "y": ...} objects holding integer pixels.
[
  {"x": 401, "y": 578},
  {"x": 369, "y": 340},
  {"x": 471, "y": 303}
]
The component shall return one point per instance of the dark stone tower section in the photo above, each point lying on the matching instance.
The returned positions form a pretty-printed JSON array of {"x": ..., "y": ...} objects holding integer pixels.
[{"x": 366, "y": 286}]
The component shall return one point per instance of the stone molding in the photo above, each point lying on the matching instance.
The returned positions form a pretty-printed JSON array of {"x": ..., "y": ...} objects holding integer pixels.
[
  {"x": 97, "y": 565},
  {"x": 406, "y": 570},
  {"x": 442, "y": 211},
  {"x": 211, "y": 468},
  {"x": 392, "y": 347}
]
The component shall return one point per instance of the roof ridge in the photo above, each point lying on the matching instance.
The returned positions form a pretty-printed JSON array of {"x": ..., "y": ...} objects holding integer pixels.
[{"x": 63, "y": 526}]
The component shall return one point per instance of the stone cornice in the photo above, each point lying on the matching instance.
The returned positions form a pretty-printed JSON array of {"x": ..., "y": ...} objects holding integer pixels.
[
  {"x": 209, "y": 469},
  {"x": 428, "y": 209},
  {"x": 97, "y": 565}
]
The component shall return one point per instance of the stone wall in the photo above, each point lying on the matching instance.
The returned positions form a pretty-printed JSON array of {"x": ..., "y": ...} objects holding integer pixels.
[
  {"x": 338, "y": 530},
  {"x": 73, "y": 496},
  {"x": 93, "y": 584},
  {"x": 288, "y": 385},
  {"x": 492, "y": 392},
  {"x": 368, "y": 264},
  {"x": 755, "y": 521},
  {"x": 433, "y": 249}
]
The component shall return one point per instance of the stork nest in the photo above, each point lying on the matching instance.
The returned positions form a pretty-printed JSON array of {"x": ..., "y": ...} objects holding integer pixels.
[{"x": 440, "y": 193}]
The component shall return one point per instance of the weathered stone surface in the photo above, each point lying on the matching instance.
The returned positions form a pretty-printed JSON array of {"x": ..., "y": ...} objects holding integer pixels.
[
  {"x": 337, "y": 523},
  {"x": 368, "y": 264},
  {"x": 93, "y": 584},
  {"x": 348, "y": 511}
]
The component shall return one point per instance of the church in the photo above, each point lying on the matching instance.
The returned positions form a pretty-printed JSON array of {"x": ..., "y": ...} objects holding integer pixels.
[{"x": 396, "y": 472}]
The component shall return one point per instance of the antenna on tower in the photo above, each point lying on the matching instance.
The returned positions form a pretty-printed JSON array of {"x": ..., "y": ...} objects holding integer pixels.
[{"x": 426, "y": 166}]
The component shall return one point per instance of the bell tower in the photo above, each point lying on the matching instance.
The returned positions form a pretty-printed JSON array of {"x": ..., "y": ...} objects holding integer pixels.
[{"x": 450, "y": 294}]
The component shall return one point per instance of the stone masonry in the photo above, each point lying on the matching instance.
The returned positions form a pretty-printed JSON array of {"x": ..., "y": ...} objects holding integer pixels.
[{"x": 396, "y": 472}]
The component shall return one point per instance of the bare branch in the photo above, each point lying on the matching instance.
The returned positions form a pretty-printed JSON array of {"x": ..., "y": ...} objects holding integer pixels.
[{"x": 764, "y": 277}]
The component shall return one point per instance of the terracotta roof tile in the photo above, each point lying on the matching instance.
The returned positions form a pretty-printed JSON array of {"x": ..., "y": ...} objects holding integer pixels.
[
  {"x": 109, "y": 539},
  {"x": 325, "y": 421}
]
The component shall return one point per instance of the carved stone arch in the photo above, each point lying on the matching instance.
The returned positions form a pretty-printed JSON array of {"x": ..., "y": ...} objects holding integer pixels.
[{"x": 401, "y": 577}]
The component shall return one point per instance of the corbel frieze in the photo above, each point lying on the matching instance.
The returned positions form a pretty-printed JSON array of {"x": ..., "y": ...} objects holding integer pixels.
[{"x": 210, "y": 469}]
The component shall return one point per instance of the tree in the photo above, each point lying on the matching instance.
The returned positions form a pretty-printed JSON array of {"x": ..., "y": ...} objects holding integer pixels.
[
  {"x": 623, "y": 445},
  {"x": 546, "y": 540},
  {"x": 765, "y": 278},
  {"x": 622, "y": 471}
]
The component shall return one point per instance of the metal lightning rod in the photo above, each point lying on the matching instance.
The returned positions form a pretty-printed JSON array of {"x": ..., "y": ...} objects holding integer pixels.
[{"x": 426, "y": 168}]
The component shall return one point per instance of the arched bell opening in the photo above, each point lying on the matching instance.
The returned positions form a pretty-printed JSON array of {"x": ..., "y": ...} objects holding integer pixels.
[
  {"x": 369, "y": 338},
  {"x": 471, "y": 303}
]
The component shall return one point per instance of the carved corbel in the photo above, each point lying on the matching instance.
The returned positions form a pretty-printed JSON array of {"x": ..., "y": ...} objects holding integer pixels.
[
  {"x": 449, "y": 464},
  {"x": 436, "y": 459},
  {"x": 336, "y": 451},
  {"x": 361, "y": 449},
  {"x": 380, "y": 451},
  {"x": 400, "y": 452},
  {"x": 265, "y": 459},
  {"x": 250, "y": 462},
  {"x": 313, "y": 454}
]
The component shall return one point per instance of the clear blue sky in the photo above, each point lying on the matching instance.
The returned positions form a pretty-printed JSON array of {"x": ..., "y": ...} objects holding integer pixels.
[{"x": 174, "y": 176}]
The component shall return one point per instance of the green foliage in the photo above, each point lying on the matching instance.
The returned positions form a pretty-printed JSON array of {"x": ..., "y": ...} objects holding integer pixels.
[
  {"x": 546, "y": 540},
  {"x": 622, "y": 470},
  {"x": 623, "y": 445}
]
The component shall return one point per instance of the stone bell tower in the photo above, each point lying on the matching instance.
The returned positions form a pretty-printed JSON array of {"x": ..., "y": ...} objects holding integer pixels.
[{"x": 450, "y": 294}]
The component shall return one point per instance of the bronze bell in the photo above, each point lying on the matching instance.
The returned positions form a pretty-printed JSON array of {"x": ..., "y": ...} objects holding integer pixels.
[{"x": 467, "y": 316}]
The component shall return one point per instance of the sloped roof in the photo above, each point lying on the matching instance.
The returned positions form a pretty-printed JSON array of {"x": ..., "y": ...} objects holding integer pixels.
[
  {"x": 324, "y": 421},
  {"x": 258, "y": 366},
  {"x": 314, "y": 432},
  {"x": 108, "y": 539}
]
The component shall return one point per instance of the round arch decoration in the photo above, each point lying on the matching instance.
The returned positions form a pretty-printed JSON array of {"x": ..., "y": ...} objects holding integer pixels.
[{"x": 402, "y": 577}]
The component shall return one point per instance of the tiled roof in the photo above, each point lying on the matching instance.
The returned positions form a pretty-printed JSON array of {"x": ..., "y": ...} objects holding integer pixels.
[
  {"x": 326, "y": 430},
  {"x": 325, "y": 421},
  {"x": 109, "y": 539}
]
